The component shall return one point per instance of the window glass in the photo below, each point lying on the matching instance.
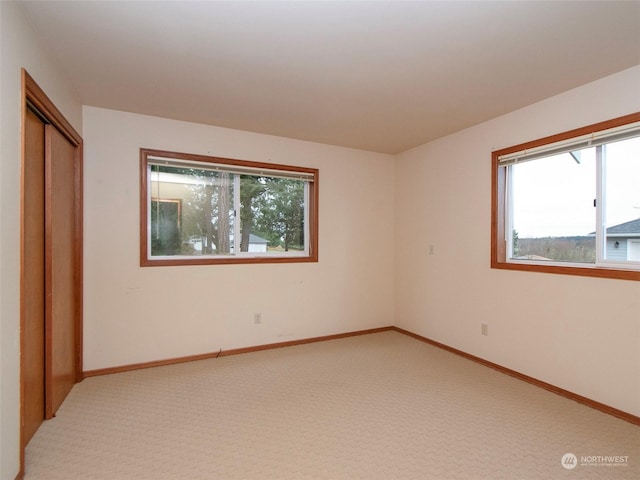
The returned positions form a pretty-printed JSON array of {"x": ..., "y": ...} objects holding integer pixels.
[
  {"x": 622, "y": 192},
  {"x": 272, "y": 214},
  {"x": 201, "y": 219},
  {"x": 553, "y": 211}
]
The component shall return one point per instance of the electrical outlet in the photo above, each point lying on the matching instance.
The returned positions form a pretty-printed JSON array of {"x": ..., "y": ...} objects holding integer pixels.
[
  {"x": 484, "y": 329},
  {"x": 257, "y": 318}
]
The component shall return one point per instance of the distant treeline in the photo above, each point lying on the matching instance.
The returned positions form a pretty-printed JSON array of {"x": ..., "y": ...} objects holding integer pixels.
[{"x": 563, "y": 249}]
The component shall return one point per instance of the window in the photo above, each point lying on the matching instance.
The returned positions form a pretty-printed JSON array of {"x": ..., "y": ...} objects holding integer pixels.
[
  {"x": 570, "y": 203},
  {"x": 206, "y": 210}
]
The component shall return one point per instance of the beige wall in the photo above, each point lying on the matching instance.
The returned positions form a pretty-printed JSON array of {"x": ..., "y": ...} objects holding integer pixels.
[
  {"x": 135, "y": 314},
  {"x": 18, "y": 48},
  {"x": 581, "y": 334}
]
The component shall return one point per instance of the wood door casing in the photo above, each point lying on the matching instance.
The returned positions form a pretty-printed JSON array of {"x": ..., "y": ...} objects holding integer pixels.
[
  {"x": 33, "y": 265},
  {"x": 60, "y": 303}
]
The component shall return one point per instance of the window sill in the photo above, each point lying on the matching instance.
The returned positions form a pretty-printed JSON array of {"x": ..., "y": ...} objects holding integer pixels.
[
  {"x": 188, "y": 261},
  {"x": 573, "y": 269}
]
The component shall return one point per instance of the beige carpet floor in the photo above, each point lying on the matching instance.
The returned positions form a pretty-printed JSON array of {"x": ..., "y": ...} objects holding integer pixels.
[{"x": 378, "y": 406}]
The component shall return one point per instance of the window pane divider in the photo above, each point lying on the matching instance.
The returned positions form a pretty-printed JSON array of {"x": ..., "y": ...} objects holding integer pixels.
[{"x": 600, "y": 211}]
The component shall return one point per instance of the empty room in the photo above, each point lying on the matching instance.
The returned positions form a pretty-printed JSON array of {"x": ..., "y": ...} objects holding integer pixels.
[{"x": 319, "y": 240}]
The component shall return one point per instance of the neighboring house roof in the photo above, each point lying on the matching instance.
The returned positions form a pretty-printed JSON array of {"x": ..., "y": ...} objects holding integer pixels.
[
  {"x": 627, "y": 229},
  {"x": 256, "y": 239}
]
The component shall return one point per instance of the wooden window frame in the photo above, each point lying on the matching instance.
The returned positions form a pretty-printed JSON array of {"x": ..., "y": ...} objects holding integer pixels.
[
  {"x": 312, "y": 221},
  {"x": 498, "y": 208}
]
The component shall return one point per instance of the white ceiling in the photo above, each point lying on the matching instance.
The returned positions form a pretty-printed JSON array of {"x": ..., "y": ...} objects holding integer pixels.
[{"x": 380, "y": 76}]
